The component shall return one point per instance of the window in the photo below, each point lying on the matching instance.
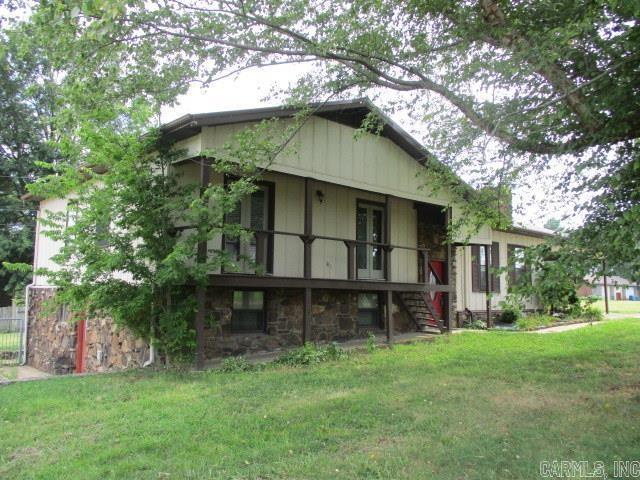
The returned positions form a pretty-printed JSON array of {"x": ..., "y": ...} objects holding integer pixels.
[
  {"x": 518, "y": 269},
  {"x": 368, "y": 310},
  {"x": 479, "y": 268},
  {"x": 248, "y": 311},
  {"x": 253, "y": 212},
  {"x": 369, "y": 228}
]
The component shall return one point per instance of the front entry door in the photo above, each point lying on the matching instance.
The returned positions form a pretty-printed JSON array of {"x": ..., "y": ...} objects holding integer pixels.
[{"x": 369, "y": 228}]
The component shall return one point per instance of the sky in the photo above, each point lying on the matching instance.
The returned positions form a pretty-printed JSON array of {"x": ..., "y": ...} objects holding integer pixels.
[{"x": 534, "y": 201}]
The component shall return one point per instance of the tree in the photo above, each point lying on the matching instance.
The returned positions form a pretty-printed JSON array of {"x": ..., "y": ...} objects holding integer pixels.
[
  {"x": 553, "y": 224},
  {"x": 132, "y": 231},
  {"x": 26, "y": 107},
  {"x": 518, "y": 86}
]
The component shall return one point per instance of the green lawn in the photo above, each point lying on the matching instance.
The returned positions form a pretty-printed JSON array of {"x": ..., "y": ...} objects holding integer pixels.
[
  {"x": 476, "y": 405},
  {"x": 9, "y": 342},
  {"x": 620, "y": 306}
]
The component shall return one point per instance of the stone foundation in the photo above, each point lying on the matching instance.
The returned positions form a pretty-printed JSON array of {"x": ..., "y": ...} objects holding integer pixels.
[
  {"x": 52, "y": 340},
  {"x": 334, "y": 318}
]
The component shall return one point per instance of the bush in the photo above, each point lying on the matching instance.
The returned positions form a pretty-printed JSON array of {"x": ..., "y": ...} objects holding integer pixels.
[
  {"x": 236, "y": 364},
  {"x": 592, "y": 314},
  {"x": 371, "y": 343},
  {"x": 476, "y": 325},
  {"x": 310, "y": 354},
  {"x": 537, "y": 320},
  {"x": 511, "y": 308},
  {"x": 510, "y": 315}
]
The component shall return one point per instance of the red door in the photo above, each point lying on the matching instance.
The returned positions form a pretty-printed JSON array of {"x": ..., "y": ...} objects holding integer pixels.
[
  {"x": 81, "y": 331},
  {"x": 436, "y": 275}
]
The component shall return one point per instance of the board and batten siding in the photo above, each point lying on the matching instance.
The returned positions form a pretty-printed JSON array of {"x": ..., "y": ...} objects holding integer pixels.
[
  {"x": 328, "y": 151},
  {"x": 474, "y": 301},
  {"x": 335, "y": 216}
]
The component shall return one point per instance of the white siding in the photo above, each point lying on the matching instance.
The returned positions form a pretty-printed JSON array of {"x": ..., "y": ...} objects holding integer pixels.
[
  {"x": 477, "y": 300},
  {"x": 45, "y": 247}
]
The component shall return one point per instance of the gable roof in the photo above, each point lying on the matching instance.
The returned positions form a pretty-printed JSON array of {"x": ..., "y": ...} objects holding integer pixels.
[{"x": 346, "y": 112}]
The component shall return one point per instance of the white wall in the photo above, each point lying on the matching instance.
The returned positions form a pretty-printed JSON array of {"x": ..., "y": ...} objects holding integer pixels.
[
  {"x": 477, "y": 300},
  {"x": 45, "y": 247}
]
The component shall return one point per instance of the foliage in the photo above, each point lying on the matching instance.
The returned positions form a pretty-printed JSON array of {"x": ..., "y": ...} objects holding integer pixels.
[
  {"x": 592, "y": 313},
  {"x": 534, "y": 321},
  {"x": 310, "y": 354},
  {"x": 236, "y": 364},
  {"x": 511, "y": 309},
  {"x": 476, "y": 324},
  {"x": 27, "y": 101},
  {"x": 517, "y": 86},
  {"x": 557, "y": 274},
  {"x": 133, "y": 223},
  {"x": 371, "y": 343}
]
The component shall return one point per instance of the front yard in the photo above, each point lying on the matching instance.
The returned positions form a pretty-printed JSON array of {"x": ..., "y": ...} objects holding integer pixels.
[
  {"x": 487, "y": 405},
  {"x": 620, "y": 306}
]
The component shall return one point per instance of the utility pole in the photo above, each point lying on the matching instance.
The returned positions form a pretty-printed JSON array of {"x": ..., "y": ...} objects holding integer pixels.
[{"x": 606, "y": 294}]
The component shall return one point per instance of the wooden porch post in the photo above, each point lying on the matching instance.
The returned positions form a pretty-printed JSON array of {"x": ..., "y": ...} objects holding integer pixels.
[
  {"x": 387, "y": 239},
  {"x": 201, "y": 291},
  {"x": 351, "y": 259},
  {"x": 389, "y": 316},
  {"x": 487, "y": 258},
  {"x": 307, "y": 240},
  {"x": 447, "y": 275}
]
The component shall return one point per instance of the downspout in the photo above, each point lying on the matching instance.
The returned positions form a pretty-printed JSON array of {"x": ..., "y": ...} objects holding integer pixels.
[
  {"x": 23, "y": 360},
  {"x": 152, "y": 354}
]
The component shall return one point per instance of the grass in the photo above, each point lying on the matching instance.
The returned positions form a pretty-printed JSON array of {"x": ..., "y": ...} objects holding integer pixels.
[
  {"x": 620, "y": 306},
  {"x": 473, "y": 405},
  {"x": 9, "y": 342},
  {"x": 533, "y": 321}
]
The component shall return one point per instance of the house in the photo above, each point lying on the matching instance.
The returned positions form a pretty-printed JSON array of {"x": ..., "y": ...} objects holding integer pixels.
[
  {"x": 349, "y": 241},
  {"x": 617, "y": 288}
]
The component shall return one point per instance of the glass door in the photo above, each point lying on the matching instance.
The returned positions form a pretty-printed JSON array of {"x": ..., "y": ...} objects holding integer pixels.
[
  {"x": 250, "y": 213},
  {"x": 369, "y": 228}
]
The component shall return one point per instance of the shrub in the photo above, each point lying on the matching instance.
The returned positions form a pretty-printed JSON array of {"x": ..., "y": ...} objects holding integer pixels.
[
  {"x": 592, "y": 313},
  {"x": 476, "y": 325},
  {"x": 310, "y": 354},
  {"x": 236, "y": 364},
  {"x": 531, "y": 322},
  {"x": 510, "y": 315},
  {"x": 371, "y": 343},
  {"x": 511, "y": 308}
]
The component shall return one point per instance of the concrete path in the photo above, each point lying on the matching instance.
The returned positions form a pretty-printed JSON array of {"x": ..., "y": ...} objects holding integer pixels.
[
  {"x": 564, "y": 328},
  {"x": 20, "y": 373}
]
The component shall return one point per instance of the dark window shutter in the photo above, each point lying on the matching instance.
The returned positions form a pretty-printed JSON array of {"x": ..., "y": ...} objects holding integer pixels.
[
  {"x": 475, "y": 268},
  {"x": 495, "y": 264}
]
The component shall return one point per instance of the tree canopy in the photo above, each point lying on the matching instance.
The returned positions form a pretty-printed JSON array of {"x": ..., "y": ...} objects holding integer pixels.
[
  {"x": 27, "y": 103},
  {"x": 505, "y": 89}
]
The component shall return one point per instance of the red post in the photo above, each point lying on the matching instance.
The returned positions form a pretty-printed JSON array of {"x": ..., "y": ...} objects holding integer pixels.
[{"x": 81, "y": 330}]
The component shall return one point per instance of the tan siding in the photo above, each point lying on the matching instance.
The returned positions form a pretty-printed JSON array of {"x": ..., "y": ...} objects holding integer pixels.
[{"x": 477, "y": 300}]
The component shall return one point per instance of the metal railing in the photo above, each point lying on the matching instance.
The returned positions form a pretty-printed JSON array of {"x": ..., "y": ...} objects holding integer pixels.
[{"x": 12, "y": 331}]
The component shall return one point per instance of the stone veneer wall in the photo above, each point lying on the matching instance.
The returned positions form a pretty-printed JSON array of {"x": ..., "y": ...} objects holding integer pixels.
[
  {"x": 334, "y": 318},
  {"x": 52, "y": 337},
  {"x": 52, "y": 340}
]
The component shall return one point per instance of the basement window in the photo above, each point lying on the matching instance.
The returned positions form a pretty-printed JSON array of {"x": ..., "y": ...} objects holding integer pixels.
[
  {"x": 248, "y": 311},
  {"x": 369, "y": 310}
]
